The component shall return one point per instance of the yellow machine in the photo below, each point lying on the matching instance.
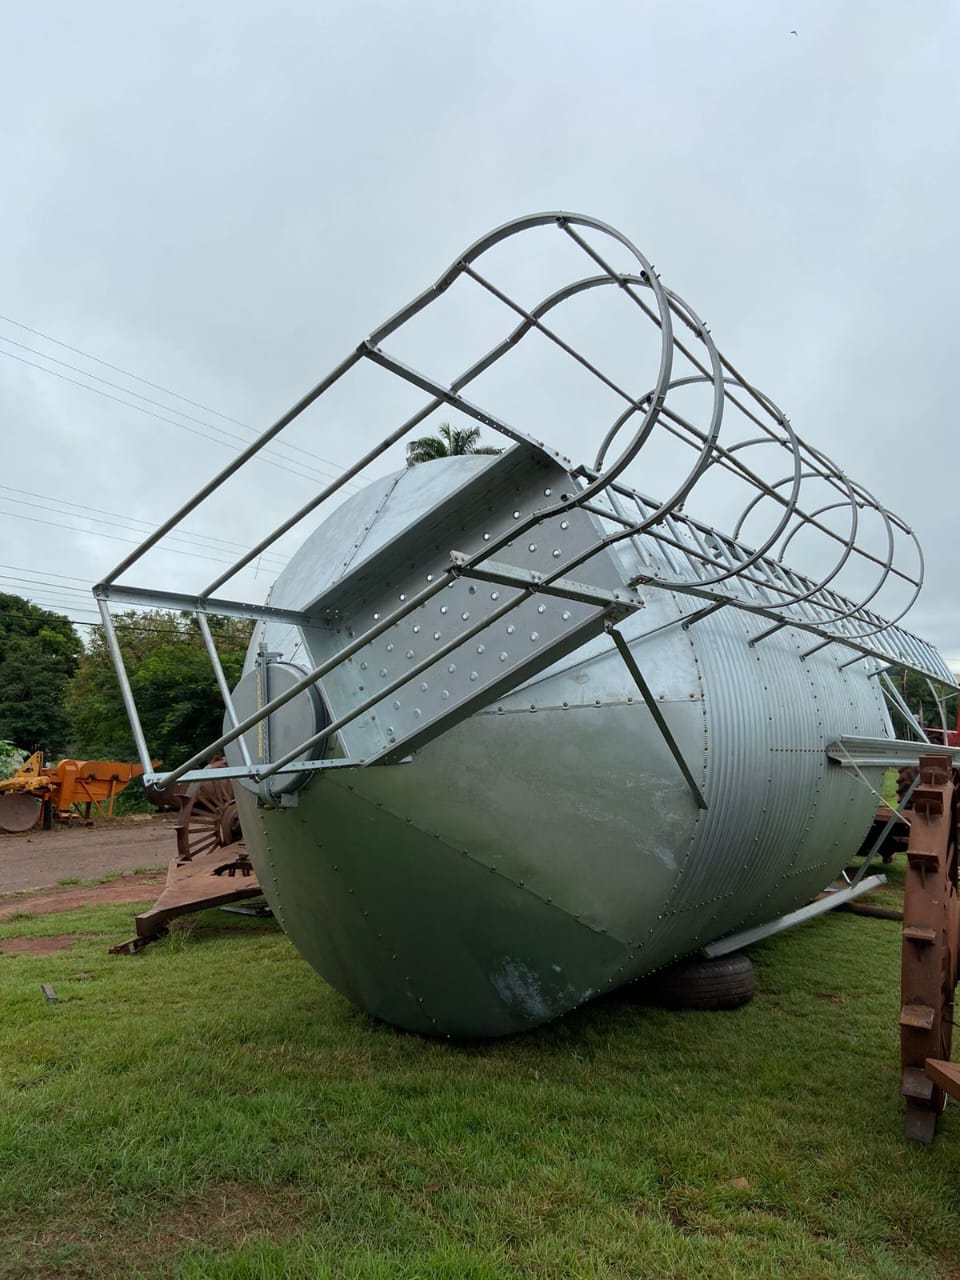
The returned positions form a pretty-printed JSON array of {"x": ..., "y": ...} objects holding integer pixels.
[{"x": 73, "y": 789}]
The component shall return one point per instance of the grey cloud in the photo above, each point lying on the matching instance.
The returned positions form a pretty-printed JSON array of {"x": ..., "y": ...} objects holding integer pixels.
[{"x": 226, "y": 198}]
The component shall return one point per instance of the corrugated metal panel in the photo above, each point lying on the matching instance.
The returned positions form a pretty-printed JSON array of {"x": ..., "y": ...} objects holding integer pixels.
[
  {"x": 564, "y": 794},
  {"x": 781, "y": 820}
]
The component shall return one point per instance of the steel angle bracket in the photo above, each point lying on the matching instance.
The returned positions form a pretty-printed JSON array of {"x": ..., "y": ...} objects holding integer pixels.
[
  {"x": 508, "y": 575},
  {"x": 884, "y": 753}
]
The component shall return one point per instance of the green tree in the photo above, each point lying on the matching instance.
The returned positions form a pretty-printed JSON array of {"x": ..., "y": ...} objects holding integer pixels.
[
  {"x": 922, "y": 701},
  {"x": 11, "y": 758},
  {"x": 449, "y": 442},
  {"x": 38, "y": 655},
  {"x": 172, "y": 680}
]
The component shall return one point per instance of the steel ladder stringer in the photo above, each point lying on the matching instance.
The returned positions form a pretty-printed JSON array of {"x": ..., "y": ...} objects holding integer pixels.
[{"x": 455, "y": 641}]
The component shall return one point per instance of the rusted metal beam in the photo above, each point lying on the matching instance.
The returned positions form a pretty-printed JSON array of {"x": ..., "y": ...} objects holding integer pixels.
[{"x": 929, "y": 952}]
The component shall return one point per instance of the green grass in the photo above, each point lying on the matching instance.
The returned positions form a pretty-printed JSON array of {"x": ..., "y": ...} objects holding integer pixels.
[
  {"x": 890, "y": 795},
  {"x": 73, "y": 882},
  {"x": 210, "y": 1108}
]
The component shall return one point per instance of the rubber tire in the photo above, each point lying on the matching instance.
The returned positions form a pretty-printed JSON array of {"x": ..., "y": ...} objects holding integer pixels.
[{"x": 726, "y": 982}]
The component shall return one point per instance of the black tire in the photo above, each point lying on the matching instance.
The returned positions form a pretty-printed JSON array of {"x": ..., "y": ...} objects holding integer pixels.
[{"x": 724, "y": 983}]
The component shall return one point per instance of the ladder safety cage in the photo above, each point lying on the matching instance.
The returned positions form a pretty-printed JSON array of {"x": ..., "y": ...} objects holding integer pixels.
[{"x": 539, "y": 550}]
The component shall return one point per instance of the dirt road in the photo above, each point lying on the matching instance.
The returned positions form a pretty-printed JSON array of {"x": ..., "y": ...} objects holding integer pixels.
[{"x": 41, "y": 859}]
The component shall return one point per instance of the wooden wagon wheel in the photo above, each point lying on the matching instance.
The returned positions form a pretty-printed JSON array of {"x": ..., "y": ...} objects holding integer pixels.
[
  {"x": 931, "y": 918},
  {"x": 208, "y": 817}
]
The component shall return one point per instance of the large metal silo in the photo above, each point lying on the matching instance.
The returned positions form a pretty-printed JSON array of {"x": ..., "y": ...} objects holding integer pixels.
[{"x": 513, "y": 732}]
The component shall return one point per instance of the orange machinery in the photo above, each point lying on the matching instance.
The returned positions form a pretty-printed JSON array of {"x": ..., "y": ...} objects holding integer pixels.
[{"x": 72, "y": 789}]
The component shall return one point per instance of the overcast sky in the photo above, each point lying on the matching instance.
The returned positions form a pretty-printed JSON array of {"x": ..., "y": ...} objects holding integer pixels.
[{"x": 223, "y": 199}]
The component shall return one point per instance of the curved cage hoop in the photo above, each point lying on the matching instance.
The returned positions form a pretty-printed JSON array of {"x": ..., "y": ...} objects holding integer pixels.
[{"x": 587, "y": 337}]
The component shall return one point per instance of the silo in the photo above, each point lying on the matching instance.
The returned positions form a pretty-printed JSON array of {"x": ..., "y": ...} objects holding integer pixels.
[{"x": 512, "y": 731}]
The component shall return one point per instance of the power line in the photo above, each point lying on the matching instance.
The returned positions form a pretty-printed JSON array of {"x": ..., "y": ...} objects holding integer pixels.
[
  {"x": 124, "y": 623},
  {"x": 78, "y": 622},
  {"x": 50, "y": 573},
  {"x": 27, "y": 617},
  {"x": 54, "y": 603},
  {"x": 232, "y": 435},
  {"x": 126, "y": 521},
  {"x": 75, "y": 595},
  {"x": 48, "y": 588},
  {"x": 64, "y": 596},
  {"x": 127, "y": 373},
  {"x": 269, "y": 460},
  {"x": 51, "y": 606},
  {"x": 52, "y": 594},
  {"x": 96, "y": 533},
  {"x": 39, "y": 582},
  {"x": 62, "y": 611},
  {"x": 137, "y": 378}
]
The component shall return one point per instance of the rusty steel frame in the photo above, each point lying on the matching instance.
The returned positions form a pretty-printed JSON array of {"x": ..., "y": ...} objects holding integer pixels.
[
  {"x": 211, "y": 868},
  {"x": 930, "y": 944}
]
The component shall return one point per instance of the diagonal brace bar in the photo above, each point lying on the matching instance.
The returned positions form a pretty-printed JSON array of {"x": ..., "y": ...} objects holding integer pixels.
[
  {"x": 893, "y": 693},
  {"x": 645, "y": 692},
  {"x": 888, "y": 827}
]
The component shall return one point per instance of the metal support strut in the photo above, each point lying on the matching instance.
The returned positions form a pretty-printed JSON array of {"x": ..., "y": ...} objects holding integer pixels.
[{"x": 645, "y": 692}]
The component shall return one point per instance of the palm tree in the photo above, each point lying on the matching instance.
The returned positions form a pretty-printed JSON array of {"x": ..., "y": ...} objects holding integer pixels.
[{"x": 449, "y": 442}]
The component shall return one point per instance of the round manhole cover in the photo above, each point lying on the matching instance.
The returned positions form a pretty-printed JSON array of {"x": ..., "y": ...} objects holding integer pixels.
[{"x": 284, "y": 729}]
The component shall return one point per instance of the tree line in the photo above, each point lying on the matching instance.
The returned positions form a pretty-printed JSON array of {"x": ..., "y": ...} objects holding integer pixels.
[{"x": 61, "y": 696}]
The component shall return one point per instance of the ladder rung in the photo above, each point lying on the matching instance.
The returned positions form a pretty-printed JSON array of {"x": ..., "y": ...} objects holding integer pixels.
[
  {"x": 917, "y": 1016},
  {"x": 915, "y": 1083},
  {"x": 923, "y": 859},
  {"x": 919, "y": 933}
]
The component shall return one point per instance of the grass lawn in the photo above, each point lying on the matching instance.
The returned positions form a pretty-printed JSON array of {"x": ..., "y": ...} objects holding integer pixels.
[{"x": 212, "y": 1109}]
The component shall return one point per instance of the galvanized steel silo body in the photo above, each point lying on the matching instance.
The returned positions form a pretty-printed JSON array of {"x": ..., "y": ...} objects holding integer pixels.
[
  {"x": 546, "y": 839},
  {"x": 548, "y": 848}
]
